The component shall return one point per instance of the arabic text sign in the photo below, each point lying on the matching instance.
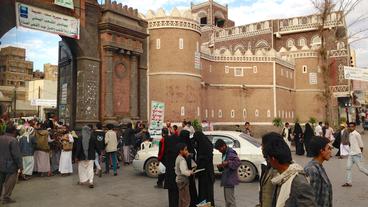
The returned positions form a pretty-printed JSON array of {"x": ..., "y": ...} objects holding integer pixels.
[
  {"x": 41, "y": 19},
  {"x": 157, "y": 118},
  {"x": 65, "y": 3},
  {"x": 355, "y": 73},
  {"x": 43, "y": 102}
]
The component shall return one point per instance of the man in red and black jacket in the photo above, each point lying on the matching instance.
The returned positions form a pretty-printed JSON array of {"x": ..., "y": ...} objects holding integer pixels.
[{"x": 161, "y": 154}]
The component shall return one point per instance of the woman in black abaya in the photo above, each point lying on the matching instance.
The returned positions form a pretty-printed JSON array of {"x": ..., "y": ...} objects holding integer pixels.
[
  {"x": 185, "y": 138},
  {"x": 308, "y": 134},
  {"x": 204, "y": 160},
  {"x": 298, "y": 138}
]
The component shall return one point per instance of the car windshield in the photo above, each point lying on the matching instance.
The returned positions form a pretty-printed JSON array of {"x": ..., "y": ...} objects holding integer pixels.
[{"x": 250, "y": 139}]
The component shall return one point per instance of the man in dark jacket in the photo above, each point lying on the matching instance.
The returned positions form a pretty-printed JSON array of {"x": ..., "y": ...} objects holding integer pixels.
[
  {"x": 10, "y": 163},
  {"x": 99, "y": 136},
  {"x": 321, "y": 149},
  {"x": 291, "y": 185},
  {"x": 229, "y": 168},
  {"x": 85, "y": 155},
  {"x": 128, "y": 143}
]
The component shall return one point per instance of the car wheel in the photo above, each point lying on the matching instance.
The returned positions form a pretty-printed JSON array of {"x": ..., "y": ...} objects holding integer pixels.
[
  {"x": 151, "y": 168},
  {"x": 246, "y": 172}
]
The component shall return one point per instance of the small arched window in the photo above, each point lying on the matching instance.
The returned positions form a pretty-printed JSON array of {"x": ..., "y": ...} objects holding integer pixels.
[{"x": 290, "y": 43}]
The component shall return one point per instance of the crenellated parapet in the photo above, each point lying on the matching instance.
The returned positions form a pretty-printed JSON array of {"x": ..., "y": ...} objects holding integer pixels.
[
  {"x": 176, "y": 19},
  {"x": 120, "y": 9},
  {"x": 261, "y": 55},
  {"x": 248, "y": 30},
  {"x": 308, "y": 23}
]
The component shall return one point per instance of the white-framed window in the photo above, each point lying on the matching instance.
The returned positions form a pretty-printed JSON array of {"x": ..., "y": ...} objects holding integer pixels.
[
  {"x": 227, "y": 69},
  {"x": 244, "y": 113},
  {"x": 316, "y": 41},
  {"x": 290, "y": 43},
  {"x": 198, "y": 111},
  {"x": 182, "y": 111},
  {"x": 158, "y": 44},
  {"x": 212, "y": 113},
  {"x": 305, "y": 69},
  {"x": 256, "y": 113},
  {"x": 238, "y": 72},
  {"x": 255, "y": 70},
  {"x": 206, "y": 113},
  {"x": 287, "y": 74},
  {"x": 210, "y": 68},
  {"x": 219, "y": 113},
  {"x": 292, "y": 114},
  {"x": 302, "y": 42},
  {"x": 286, "y": 114},
  {"x": 181, "y": 43},
  {"x": 268, "y": 113},
  {"x": 313, "y": 78},
  {"x": 319, "y": 69},
  {"x": 282, "y": 72},
  {"x": 232, "y": 113}
]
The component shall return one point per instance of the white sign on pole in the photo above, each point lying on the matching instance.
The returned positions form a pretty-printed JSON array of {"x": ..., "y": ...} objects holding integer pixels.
[
  {"x": 44, "y": 20},
  {"x": 65, "y": 3},
  {"x": 43, "y": 102},
  {"x": 156, "y": 119},
  {"x": 352, "y": 73}
]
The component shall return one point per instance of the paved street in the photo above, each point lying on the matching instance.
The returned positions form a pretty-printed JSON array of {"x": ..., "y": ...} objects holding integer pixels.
[{"x": 130, "y": 189}]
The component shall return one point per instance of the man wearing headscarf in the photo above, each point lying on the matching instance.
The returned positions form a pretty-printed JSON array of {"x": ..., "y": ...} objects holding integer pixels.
[
  {"x": 308, "y": 134},
  {"x": 85, "y": 155},
  {"x": 298, "y": 138},
  {"x": 204, "y": 160},
  {"x": 185, "y": 138},
  {"x": 27, "y": 145}
]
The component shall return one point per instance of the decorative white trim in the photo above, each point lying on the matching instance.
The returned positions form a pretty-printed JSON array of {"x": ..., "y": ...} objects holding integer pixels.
[
  {"x": 304, "y": 69},
  {"x": 182, "y": 111},
  {"x": 172, "y": 22},
  {"x": 238, "y": 69},
  {"x": 176, "y": 73},
  {"x": 219, "y": 113},
  {"x": 309, "y": 90},
  {"x": 232, "y": 113}
]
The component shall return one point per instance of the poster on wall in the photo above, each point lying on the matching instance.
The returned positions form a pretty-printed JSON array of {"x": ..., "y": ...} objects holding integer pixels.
[
  {"x": 47, "y": 21},
  {"x": 156, "y": 119},
  {"x": 65, "y": 3}
]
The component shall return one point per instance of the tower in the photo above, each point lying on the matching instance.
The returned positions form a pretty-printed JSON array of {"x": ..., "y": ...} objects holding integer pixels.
[{"x": 174, "y": 63}]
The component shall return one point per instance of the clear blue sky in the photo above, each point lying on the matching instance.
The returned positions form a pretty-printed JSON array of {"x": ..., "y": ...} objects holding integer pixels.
[{"x": 43, "y": 47}]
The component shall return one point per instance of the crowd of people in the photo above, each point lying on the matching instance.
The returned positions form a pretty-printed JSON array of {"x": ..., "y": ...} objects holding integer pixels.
[
  {"x": 35, "y": 148},
  {"x": 49, "y": 148}
]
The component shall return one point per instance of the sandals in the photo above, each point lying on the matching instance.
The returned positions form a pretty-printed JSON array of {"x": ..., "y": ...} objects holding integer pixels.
[{"x": 347, "y": 185}]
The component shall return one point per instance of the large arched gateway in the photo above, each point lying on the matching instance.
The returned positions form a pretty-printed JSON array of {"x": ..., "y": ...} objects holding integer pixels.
[{"x": 102, "y": 71}]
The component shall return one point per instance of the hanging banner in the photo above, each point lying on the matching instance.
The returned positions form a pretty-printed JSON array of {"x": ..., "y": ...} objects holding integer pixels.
[
  {"x": 44, "y": 20},
  {"x": 43, "y": 102},
  {"x": 352, "y": 73},
  {"x": 156, "y": 119}
]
